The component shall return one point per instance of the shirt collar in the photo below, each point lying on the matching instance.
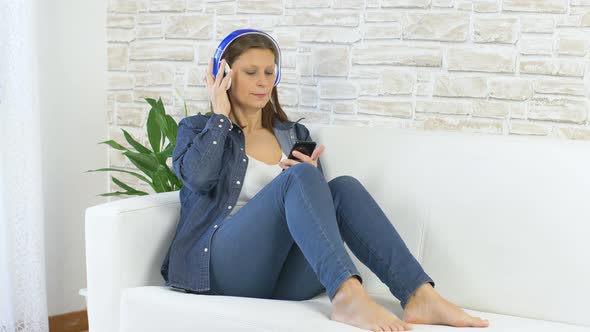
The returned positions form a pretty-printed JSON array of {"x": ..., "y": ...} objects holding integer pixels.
[{"x": 283, "y": 125}]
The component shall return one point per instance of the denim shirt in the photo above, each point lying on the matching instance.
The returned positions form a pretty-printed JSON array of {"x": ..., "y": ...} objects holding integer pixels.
[{"x": 210, "y": 159}]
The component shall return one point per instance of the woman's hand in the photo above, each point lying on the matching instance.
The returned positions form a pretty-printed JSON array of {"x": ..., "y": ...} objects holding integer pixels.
[
  {"x": 216, "y": 87},
  {"x": 286, "y": 163}
]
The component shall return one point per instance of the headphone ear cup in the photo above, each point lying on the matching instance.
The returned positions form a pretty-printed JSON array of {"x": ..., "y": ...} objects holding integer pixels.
[
  {"x": 227, "y": 69},
  {"x": 276, "y": 73}
]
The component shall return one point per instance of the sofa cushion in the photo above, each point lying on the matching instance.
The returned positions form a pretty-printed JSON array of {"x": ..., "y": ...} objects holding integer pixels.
[
  {"x": 499, "y": 223},
  {"x": 170, "y": 310}
]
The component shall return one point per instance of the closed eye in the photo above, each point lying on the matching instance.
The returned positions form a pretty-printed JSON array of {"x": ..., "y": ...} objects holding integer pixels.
[{"x": 252, "y": 73}]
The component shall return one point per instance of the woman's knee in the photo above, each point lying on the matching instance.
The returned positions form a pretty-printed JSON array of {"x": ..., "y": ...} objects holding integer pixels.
[
  {"x": 304, "y": 169},
  {"x": 343, "y": 182}
]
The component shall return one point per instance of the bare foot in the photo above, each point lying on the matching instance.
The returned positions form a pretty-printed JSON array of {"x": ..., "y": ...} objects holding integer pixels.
[
  {"x": 426, "y": 306},
  {"x": 353, "y": 306}
]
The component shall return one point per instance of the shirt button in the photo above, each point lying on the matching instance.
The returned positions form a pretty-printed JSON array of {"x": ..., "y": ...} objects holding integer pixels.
[
  {"x": 229, "y": 207},
  {"x": 244, "y": 160},
  {"x": 206, "y": 249},
  {"x": 220, "y": 126},
  {"x": 242, "y": 149},
  {"x": 214, "y": 142},
  {"x": 220, "y": 120},
  {"x": 215, "y": 226},
  {"x": 238, "y": 182}
]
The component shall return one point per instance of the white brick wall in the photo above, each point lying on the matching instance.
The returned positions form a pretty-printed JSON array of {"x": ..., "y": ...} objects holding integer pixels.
[{"x": 503, "y": 67}]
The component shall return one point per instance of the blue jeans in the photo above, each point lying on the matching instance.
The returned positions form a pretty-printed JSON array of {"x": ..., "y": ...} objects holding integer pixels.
[{"x": 287, "y": 241}]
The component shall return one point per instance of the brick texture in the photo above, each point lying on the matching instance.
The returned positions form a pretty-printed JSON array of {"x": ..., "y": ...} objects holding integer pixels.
[{"x": 500, "y": 67}]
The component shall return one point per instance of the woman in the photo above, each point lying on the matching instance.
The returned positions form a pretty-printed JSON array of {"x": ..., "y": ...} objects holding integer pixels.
[{"x": 284, "y": 239}]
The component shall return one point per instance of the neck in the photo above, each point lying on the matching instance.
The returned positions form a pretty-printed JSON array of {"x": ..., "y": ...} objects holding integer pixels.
[{"x": 251, "y": 119}]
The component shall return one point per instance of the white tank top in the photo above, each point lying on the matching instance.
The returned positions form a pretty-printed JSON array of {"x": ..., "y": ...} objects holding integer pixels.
[{"x": 258, "y": 175}]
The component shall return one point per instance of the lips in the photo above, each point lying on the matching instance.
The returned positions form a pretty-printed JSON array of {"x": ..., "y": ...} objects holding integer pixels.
[{"x": 260, "y": 95}]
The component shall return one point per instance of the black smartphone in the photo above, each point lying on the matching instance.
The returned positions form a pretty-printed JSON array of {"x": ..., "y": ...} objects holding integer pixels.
[{"x": 305, "y": 147}]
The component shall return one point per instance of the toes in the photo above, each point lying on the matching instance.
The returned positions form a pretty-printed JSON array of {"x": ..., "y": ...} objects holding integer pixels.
[
  {"x": 478, "y": 322},
  {"x": 408, "y": 327},
  {"x": 400, "y": 326},
  {"x": 393, "y": 327}
]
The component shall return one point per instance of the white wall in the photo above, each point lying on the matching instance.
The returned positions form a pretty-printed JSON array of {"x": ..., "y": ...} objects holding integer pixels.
[
  {"x": 499, "y": 67},
  {"x": 73, "y": 100}
]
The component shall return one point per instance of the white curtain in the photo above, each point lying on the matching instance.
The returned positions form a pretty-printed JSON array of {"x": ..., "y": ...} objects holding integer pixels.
[{"x": 23, "y": 300}]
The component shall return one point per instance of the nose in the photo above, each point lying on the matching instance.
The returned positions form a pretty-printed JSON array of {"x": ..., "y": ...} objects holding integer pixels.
[{"x": 262, "y": 81}]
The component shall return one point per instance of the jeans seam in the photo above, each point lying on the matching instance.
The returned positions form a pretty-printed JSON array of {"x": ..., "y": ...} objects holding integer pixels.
[
  {"x": 319, "y": 226},
  {"x": 381, "y": 259}
]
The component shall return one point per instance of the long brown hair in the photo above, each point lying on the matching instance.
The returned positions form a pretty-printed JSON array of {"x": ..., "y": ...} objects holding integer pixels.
[{"x": 241, "y": 45}]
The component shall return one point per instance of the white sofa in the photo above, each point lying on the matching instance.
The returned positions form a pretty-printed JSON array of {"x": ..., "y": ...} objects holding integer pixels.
[{"x": 502, "y": 224}]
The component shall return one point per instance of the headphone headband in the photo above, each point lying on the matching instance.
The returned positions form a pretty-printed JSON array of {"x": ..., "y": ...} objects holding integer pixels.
[{"x": 238, "y": 33}]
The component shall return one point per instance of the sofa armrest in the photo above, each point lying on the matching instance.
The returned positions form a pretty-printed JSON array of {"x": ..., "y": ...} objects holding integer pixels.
[{"x": 126, "y": 241}]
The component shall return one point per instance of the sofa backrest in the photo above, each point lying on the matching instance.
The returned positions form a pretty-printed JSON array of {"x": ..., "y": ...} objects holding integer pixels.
[{"x": 501, "y": 223}]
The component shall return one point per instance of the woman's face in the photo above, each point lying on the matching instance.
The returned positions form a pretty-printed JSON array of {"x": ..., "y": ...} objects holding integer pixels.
[{"x": 254, "y": 77}]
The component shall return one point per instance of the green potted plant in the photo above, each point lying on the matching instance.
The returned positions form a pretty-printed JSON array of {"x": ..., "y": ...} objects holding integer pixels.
[{"x": 151, "y": 161}]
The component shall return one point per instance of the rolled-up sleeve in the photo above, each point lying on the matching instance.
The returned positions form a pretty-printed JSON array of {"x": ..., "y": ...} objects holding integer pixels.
[{"x": 197, "y": 156}]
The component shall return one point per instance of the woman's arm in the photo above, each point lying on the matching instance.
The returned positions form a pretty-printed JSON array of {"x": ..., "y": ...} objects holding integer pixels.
[{"x": 198, "y": 153}]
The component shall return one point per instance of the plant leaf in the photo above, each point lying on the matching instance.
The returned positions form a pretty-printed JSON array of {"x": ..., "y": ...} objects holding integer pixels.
[
  {"x": 167, "y": 152},
  {"x": 145, "y": 163},
  {"x": 159, "y": 182},
  {"x": 162, "y": 132},
  {"x": 114, "y": 145},
  {"x": 174, "y": 180},
  {"x": 122, "y": 184},
  {"x": 135, "y": 144},
  {"x": 137, "y": 175},
  {"x": 154, "y": 131},
  {"x": 119, "y": 193},
  {"x": 163, "y": 124},
  {"x": 130, "y": 190},
  {"x": 172, "y": 128},
  {"x": 161, "y": 110},
  {"x": 151, "y": 101}
]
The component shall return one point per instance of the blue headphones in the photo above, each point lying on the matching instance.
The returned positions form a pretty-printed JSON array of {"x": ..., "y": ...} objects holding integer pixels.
[{"x": 230, "y": 38}]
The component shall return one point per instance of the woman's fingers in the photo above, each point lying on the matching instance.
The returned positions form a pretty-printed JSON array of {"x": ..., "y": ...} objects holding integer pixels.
[
  {"x": 209, "y": 68},
  {"x": 209, "y": 74},
  {"x": 219, "y": 80},
  {"x": 316, "y": 152},
  {"x": 286, "y": 163},
  {"x": 301, "y": 156},
  {"x": 314, "y": 156}
]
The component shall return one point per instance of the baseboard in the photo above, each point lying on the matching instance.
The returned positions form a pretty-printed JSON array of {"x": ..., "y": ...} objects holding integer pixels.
[{"x": 76, "y": 321}]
